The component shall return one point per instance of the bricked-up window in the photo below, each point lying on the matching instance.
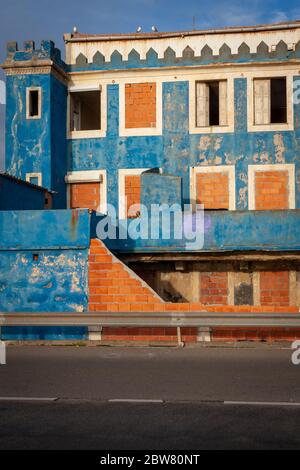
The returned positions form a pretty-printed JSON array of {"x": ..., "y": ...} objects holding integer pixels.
[
  {"x": 133, "y": 195},
  {"x": 271, "y": 190},
  {"x": 214, "y": 288},
  {"x": 140, "y": 105},
  {"x": 211, "y": 103},
  {"x": 213, "y": 190},
  {"x": 270, "y": 101},
  {"x": 85, "y": 111},
  {"x": 85, "y": 195},
  {"x": 33, "y": 103},
  {"x": 274, "y": 288}
]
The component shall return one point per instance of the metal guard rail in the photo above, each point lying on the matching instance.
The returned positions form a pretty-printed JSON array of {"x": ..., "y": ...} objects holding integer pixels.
[{"x": 156, "y": 319}]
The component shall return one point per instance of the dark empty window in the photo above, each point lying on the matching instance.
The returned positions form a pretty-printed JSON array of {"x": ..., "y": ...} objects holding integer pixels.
[
  {"x": 278, "y": 100},
  {"x": 214, "y": 104},
  {"x": 270, "y": 102},
  {"x": 85, "y": 111},
  {"x": 211, "y": 103},
  {"x": 34, "y": 104}
]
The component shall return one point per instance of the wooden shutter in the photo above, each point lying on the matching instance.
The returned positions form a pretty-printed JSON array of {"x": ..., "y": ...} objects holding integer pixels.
[
  {"x": 202, "y": 104},
  {"x": 223, "y": 103},
  {"x": 262, "y": 101}
]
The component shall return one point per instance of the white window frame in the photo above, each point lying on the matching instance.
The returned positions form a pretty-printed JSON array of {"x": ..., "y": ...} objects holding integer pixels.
[
  {"x": 89, "y": 176},
  {"x": 289, "y": 167},
  {"x": 205, "y": 77},
  {"x": 96, "y": 133},
  {"x": 229, "y": 169},
  {"x": 140, "y": 131},
  {"x": 34, "y": 175},
  {"x": 122, "y": 198},
  {"x": 289, "y": 125},
  {"x": 28, "y": 90}
]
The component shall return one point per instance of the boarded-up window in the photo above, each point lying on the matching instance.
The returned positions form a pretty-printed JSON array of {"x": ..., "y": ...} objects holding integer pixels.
[
  {"x": 133, "y": 195},
  {"x": 270, "y": 102},
  {"x": 211, "y": 103},
  {"x": 271, "y": 190},
  {"x": 214, "y": 288},
  {"x": 213, "y": 190},
  {"x": 274, "y": 288},
  {"x": 85, "y": 195},
  {"x": 140, "y": 105}
]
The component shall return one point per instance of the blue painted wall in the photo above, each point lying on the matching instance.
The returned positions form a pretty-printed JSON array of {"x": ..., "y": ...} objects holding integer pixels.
[
  {"x": 37, "y": 145},
  {"x": 176, "y": 150},
  {"x": 44, "y": 267},
  {"x": 18, "y": 196},
  {"x": 40, "y": 146},
  {"x": 276, "y": 230}
]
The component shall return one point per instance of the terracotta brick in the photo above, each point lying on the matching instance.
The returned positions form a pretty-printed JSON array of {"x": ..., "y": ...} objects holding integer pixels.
[
  {"x": 85, "y": 195},
  {"x": 274, "y": 288},
  {"x": 213, "y": 190},
  {"x": 133, "y": 195},
  {"x": 140, "y": 105},
  {"x": 213, "y": 288},
  {"x": 271, "y": 190}
]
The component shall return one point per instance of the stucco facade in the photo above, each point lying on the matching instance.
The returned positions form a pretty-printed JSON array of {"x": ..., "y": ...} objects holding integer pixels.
[{"x": 208, "y": 117}]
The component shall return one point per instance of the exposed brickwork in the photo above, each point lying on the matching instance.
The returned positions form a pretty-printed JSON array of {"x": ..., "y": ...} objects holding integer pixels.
[
  {"x": 214, "y": 288},
  {"x": 140, "y": 105},
  {"x": 149, "y": 334},
  {"x": 85, "y": 195},
  {"x": 133, "y": 195},
  {"x": 274, "y": 288},
  {"x": 252, "y": 334},
  {"x": 213, "y": 190},
  {"x": 271, "y": 190},
  {"x": 114, "y": 287}
]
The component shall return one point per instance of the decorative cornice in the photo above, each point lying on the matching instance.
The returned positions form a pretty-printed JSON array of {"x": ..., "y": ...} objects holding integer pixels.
[
  {"x": 48, "y": 67},
  {"x": 263, "y": 53}
]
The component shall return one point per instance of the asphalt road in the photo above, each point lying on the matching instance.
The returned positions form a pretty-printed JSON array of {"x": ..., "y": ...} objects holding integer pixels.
[{"x": 192, "y": 388}]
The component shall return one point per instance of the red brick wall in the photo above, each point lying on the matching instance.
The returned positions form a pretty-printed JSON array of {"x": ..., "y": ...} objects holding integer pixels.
[
  {"x": 133, "y": 195},
  {"x": 140, "y": 105},
  {"x": 214, "y": 288},
  {"x": 271, "y": 190},
  {"x": 113, "y": 287},
  {"x": 213, "y": 190},
  {"x": 274, "y": 288},
  {"x": 85, "y": 195}
]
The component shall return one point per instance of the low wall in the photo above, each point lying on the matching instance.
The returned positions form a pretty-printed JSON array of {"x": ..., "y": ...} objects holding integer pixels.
[{"x": 43, "y": 267}]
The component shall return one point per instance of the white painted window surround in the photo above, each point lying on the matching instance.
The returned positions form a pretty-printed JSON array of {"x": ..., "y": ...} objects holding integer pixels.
[
  {"x": 93, "y": 134},
  {"x": 122, "y": 197},
  {"x": 89, "y": 176},
  {"x": 144, "y": 131},
  {"x": 229, "y": 169},
  {"x": 199, "y": 103},
  {"x": 29, "y": 176},
  {"x": 253, "y": 169},
  {"x": 258, "y": 93},
  {"x": 203, "y": 103}
]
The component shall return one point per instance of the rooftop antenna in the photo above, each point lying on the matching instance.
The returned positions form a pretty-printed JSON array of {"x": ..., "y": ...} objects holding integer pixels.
[
  {"x": 139, "y": 29},
  {"x": 194, "y": 23},
  {"x": 75, "y": 30},
  {"x": 154, "y": 29}
]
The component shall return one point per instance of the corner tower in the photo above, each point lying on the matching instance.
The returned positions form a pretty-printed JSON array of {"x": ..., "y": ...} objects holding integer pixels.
[{"x": 36, "y": 107}]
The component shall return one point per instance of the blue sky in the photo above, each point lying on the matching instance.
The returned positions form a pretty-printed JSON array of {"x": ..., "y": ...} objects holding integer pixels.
[{"x": 49, "y": 19}]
